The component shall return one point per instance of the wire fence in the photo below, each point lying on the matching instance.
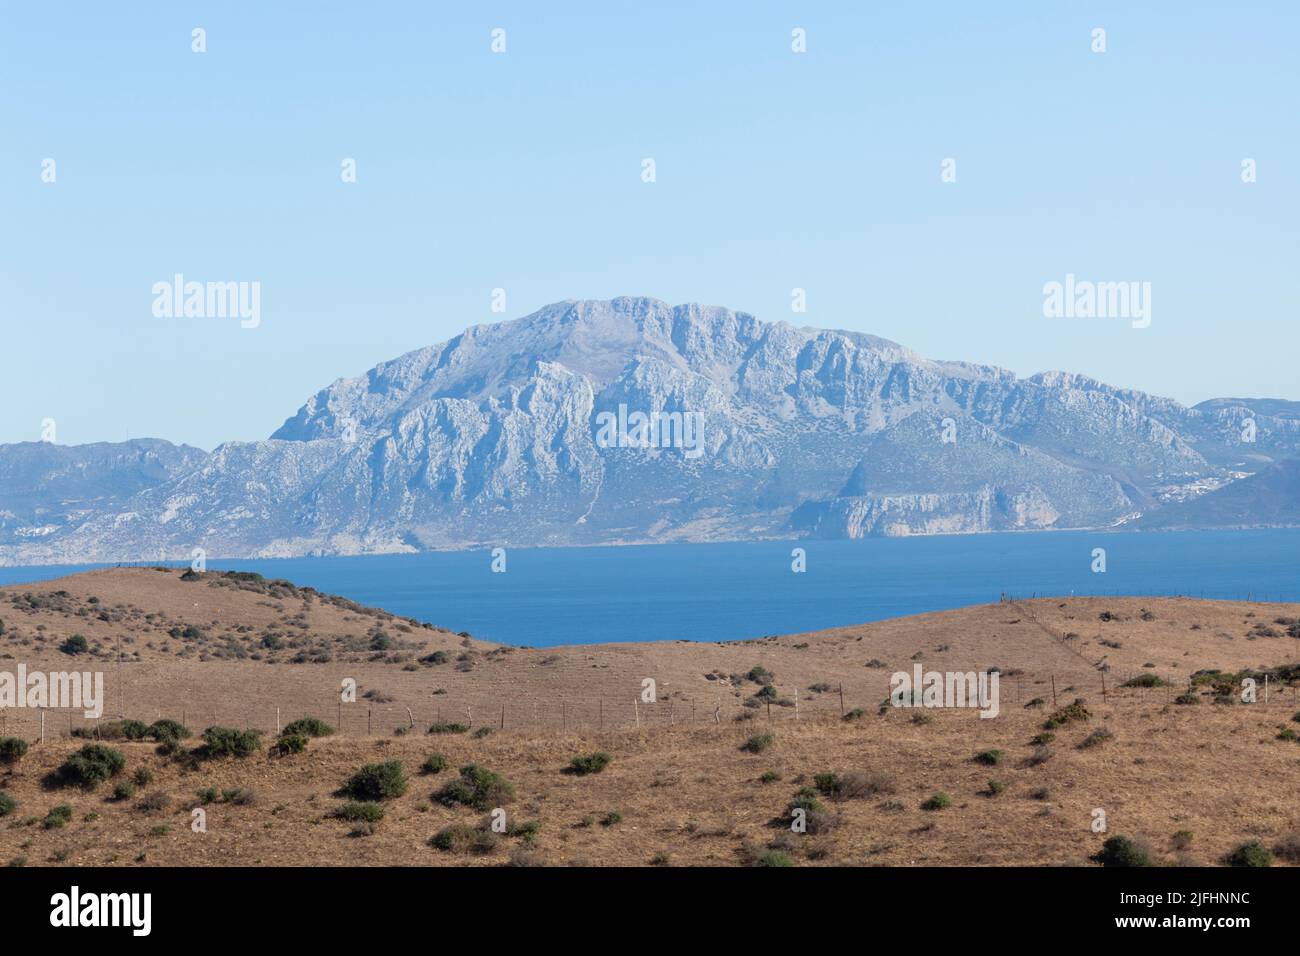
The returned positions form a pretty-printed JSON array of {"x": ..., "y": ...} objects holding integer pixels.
[{"x": 540, "y": 716}]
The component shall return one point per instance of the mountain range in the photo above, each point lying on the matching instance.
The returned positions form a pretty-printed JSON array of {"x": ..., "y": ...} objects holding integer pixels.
[{"x": 492, "y": 439}]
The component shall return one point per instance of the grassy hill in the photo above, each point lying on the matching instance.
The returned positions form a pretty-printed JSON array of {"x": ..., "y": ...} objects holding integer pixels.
[{"x": 738, "y": 735}]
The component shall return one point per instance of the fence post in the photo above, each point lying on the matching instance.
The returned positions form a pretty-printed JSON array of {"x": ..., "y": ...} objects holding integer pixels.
[
  {"x": 796, "y": 703},
  {"x": 1053, "y": 690},
  {"x": 503, "y": 716},
  {"x": 841, "y": 698},
  {"x": 636, "y": 709},
  {"x": 1103, "y": 688}
]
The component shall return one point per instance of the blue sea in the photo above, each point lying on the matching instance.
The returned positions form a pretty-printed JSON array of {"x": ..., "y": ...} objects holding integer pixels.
[{"x": 713, "y": 592}]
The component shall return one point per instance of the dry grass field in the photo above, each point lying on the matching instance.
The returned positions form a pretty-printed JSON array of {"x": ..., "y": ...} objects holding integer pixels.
[{"x": 1183, "y": 766}]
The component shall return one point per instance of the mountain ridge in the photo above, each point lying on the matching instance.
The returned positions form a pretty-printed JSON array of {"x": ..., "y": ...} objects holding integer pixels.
[{"x": 489, "y": 438}]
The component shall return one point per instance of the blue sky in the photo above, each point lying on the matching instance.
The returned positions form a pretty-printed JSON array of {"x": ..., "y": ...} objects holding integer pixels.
[{"x": 522, "y": 170}]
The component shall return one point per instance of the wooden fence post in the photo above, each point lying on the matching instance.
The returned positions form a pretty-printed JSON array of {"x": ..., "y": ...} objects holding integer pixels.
[
  {"x": 1053, "y": 690},
  {"x": 841, "y": 698}
]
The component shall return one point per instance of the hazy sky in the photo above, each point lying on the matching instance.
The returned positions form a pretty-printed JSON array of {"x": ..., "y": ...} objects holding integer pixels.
[{"x": 523, "y": 170}]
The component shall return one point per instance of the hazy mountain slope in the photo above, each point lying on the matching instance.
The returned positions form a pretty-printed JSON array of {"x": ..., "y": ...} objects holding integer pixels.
[
  {"x": 495, "y": 437},
  {"x": 46, "y": 487},
  {"x": 1269, "y": 498}
]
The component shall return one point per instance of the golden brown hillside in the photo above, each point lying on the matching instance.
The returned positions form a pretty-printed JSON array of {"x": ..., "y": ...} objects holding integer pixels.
[{"x": 1178, "y": 757}]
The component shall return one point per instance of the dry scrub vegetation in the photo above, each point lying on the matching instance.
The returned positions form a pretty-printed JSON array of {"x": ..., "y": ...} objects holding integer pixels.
[{"x": 743, "y": 738}]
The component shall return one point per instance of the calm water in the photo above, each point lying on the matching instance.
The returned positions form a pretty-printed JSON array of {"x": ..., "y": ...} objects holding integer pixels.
[{"x": 709, "y": 592}]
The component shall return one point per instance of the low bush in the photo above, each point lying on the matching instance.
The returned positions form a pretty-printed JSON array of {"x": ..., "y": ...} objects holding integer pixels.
[
  {"x": 7, "y": 804},
  {"x": 1120, "y": 851},
  {"x": 1145, "y": 680},
  {"x": 937, "y": 801},
  {"x": 377, "y": 781},
  {"x": 124, "y": 790},
  {"x": 12, "y": 749},
  {"x": 990, "y": 758},
  {"x": 358, "y": 811},
  {"x": 155, "y": 802},
  {"x": 1097, "y": 737},
  {"x": 58, "y": 817},
  {"x": 447, "y": 727},
  {"x": 1251, "y": 854},
  {"x": 290, "y": 744},
  {"x": 231, "y": 742},
  {"x": 589, "y": 763},
  {"x": 307, "y": 727},
  {"x": 758, "y": 743},
  {"x": 477, "y": 787},
  {"x": 92, "y": 764},
  {"x": 74, "y": 645},
  {"x": 434, "y": 763},
  {"x": 1068, "y": 715}
]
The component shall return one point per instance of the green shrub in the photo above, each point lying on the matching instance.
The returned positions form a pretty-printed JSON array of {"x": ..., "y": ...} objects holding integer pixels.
[
  {"x": 124, "y": 790},
  {"x": 12, "y": 749},
  {"x": 758, "y": 743},
  {"x": 774, "y": 858},
  {"x": 1043, "y": 739},
  {"x": 611, "y": 819},
  {"x": 1122, "y": 852},
  {"x": 207, "y": 795},
  {"x": 307, "y": 727},
  {"x": 805, "y": 798},
  {"x": 167, "y": 731},
  {"x": 76, "y": 644},
  {"x": 477, "y": 787},
  {"x": 291, "y": 744},
  {"x": 1182, "y": 839},
  {"x": 143, "y": 776},
  {"x": 377, "y": 781},
  {"x": 1144, "y": 680},
  {"x": 1249, "y": 854},
  {"x": 92, "y": 764},
  {"x": 937, "y": 801},
  {"x": 7, "y": 804},
  {"x": 1068, "y": 714},
  {"x": 1098, "y": 736},
  {"x": 355, "y": 811},
  {"x": 113, "y": 730},
  {"x": 447, "y": 727},
  {"x": 990, "y": 758},
  {"x": 769, "y": 776},
  {"x": 857, "y": 713},
  {"x": 58, "y": 817},
  {"x": 996, "y": 787},
  {"x": 1286, "y": 733},
  {"x": 230, "y": 742},
  {"x": 434, "y": 763},
  {"x": 456, "y": 838},
  {"x": 590, "y": 763}
]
